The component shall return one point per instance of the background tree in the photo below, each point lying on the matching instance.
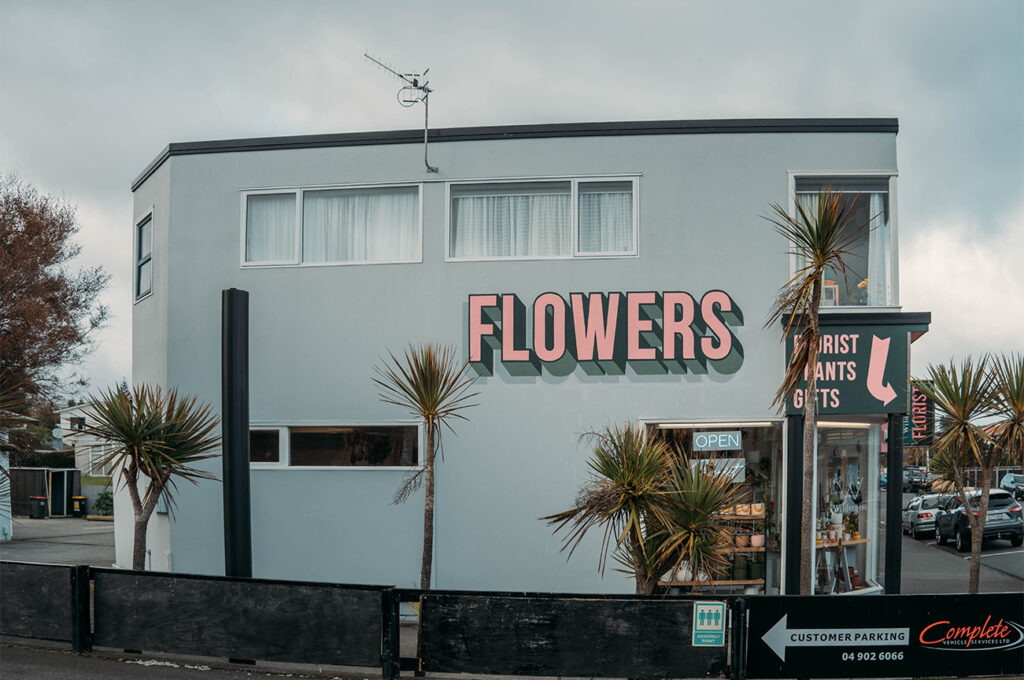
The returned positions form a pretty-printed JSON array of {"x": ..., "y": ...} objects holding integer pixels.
[
  {"x": 963, "y": 396},
  {"x": 820, "y": 236},
  {"x": 1007, "y": 405},
  {"x": 434, "y": 386},
  {"x": 47, "y": 311},
  {"x": 655, "y": 510},
  {"x": 158, "y": 437}
]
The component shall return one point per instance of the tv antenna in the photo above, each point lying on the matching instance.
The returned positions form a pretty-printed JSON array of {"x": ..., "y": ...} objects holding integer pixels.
[{"x": 415, "y": 90}]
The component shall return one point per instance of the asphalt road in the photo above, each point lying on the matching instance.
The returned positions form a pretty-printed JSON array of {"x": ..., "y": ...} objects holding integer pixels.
[
  {"x": 60, "y": 541},
  {"x": 46, "y": 663}
]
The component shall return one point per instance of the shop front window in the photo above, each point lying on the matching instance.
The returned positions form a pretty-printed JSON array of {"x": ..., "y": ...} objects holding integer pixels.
[
  {"x": 847, "y": 509},
  {"x": 752, "y": 454},
  {"x": 868, "y": 280}
]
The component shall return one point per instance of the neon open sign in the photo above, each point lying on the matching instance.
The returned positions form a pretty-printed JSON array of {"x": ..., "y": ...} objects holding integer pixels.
[
  {"x": 669, "y": 332},
  {"x": 718, "y": 441}
]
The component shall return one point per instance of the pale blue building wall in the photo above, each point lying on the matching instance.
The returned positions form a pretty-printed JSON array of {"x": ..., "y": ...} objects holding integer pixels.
[{"x": 315, "y": 333}]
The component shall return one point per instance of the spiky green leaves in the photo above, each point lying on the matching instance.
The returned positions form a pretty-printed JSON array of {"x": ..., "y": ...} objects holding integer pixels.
[{"x": 162, "y": 434}]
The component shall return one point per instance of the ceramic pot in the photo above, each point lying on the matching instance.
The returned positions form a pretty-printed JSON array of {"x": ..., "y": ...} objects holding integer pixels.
[
  {"x": 741, "y": 540},
  {"x": 743, "y": 510},
  {"x": 757, "y": 509},
  {"x": 739, "y": 568},
  {"x": 755, "y": 570},
  {"x": 757, "y": 541}
]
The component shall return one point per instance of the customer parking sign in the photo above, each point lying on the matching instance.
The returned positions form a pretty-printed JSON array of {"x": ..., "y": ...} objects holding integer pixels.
[{"x": 708, "y": 624}]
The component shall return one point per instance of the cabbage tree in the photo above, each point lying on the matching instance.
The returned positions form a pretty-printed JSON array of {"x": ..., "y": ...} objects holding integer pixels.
[{"x": 157, "y": 438}]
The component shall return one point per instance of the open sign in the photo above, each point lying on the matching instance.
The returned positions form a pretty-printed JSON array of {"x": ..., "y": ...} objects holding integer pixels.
[{"x": 717, "y": 441}]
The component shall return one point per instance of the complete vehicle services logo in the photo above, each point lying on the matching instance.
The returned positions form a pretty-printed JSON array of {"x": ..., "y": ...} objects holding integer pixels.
[{"x": 989, "y": 636}]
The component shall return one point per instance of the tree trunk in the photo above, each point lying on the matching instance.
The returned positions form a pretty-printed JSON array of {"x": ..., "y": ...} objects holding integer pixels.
[
  {"x": 143, "y": 511},
  {"x": 428, "y": 511},
  {"x": 643, "y": 585},
  {"x": 979, "y": 532},
  {"x": 810, "y": 429}
]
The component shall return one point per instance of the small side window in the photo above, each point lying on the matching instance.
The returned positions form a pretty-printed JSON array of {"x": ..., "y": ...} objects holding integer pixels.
[{"x": 144, "y": 257}]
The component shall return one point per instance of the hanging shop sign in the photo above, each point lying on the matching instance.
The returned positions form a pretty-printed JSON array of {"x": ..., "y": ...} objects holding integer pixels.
[
  {"x": 861, "y": 370},
  {"x": 886, "y": 636},
  {"x": 919, "y": 425},
  {"x": 603, "y": 333}
]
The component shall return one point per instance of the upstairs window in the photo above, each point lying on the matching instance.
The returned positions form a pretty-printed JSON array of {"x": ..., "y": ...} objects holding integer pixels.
[
  {"x": 333, "y": 226},
  {"x": 144, "y": 257},
  {"x": 870, "y": 269},
  {"x": 270, "y": 228},
  {"x": 542, "y": 219}
]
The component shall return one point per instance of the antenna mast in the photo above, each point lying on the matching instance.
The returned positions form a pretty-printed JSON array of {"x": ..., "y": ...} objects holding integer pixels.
[{"x": 414, "y": 91}]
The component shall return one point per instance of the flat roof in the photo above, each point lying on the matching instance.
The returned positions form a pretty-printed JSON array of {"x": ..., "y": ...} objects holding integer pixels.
[{"x": 548, "y": 130}]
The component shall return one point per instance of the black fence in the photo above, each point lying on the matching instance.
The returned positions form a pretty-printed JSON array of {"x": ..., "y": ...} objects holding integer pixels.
[{"x": 516, "y": 633}]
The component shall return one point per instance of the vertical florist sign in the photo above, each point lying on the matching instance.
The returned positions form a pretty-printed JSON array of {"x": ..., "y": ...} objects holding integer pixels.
[{"x": 919, "y": 427}]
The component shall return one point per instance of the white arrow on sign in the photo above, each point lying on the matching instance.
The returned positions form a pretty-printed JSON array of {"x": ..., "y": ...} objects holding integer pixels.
[{"x": 780, "y": 637}]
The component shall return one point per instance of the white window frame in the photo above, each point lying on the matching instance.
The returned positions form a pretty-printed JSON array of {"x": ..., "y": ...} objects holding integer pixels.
[
  {"x": 299, "y": 192},
  {"x": 742, "y": 422},
  {"x": 891, "y": 175},
  {"x": 284, "y": 427},
  {"x": 574, "y": 182},
  {"x": 137, "y": 262}
]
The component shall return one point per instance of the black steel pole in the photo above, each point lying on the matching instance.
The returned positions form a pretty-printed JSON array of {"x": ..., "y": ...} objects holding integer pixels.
[
  {"x": 894, "y": 505},
  {"x": 794, "y": 502},
  {"x": 235, "y": 426}
]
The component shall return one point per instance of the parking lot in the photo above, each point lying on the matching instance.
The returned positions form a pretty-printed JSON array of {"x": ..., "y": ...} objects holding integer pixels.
[{"x": 931, "y": 568}]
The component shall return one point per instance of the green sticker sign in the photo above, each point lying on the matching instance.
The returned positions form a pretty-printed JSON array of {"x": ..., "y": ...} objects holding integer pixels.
[
  {"x": 708, "y": 624},
  {"x": 861, "y": 370}
]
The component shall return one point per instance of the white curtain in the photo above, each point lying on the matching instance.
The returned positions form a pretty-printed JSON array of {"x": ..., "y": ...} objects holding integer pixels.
[
  {"x": 378, "y": 225},
  {"x": 532, "y": 225},
  {"x": 270, "y": 228},
  {"x": 878, "y": 252},
  {"x": 606, "y": 222}
]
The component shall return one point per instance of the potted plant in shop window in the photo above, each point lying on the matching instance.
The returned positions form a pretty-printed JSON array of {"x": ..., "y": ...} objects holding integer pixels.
[{"x": 658, "y": 514}]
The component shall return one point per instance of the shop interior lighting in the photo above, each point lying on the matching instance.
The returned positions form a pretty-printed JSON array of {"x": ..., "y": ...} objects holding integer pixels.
[
  {"x": 844, "y": 425},
  {"x": 710, "y": 426}
]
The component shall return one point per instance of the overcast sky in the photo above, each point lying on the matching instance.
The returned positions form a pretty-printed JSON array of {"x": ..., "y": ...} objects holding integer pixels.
[{"x": 91, "y": 91}]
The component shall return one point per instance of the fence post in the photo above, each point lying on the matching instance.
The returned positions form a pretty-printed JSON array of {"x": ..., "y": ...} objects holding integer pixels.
[
  {"x": 390, "y": 650},
  {"x": 81, "y": 629},
  {"x": 739, "y": 638}
]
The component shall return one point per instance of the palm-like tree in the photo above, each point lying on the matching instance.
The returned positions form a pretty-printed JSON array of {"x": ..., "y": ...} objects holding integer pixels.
[
  {"x": 157, "y": 435},
  {"x": 432, "y": 383},
  {"x": 655, "y": 510},
  {"x": 820, "y": 236},
  {"x": 1007, "y": 404},
  {"x": 963, "y": 394}
]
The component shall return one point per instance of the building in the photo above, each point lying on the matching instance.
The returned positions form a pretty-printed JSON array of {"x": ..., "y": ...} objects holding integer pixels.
[
  {"x": 90, "y": 451},
  {"x": 591, "y": 273}
]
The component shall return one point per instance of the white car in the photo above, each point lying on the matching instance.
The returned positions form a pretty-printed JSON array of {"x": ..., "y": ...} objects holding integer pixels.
[{"x": 919, "y": 515}]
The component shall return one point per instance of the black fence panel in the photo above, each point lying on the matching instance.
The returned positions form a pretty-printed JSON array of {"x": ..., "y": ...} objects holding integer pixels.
[
  {"x": 239, "y": 618},
  {"x": 35, "y": 601},
  {"x": 885, "y": 636},
  {"x": 564, "y": 635}
]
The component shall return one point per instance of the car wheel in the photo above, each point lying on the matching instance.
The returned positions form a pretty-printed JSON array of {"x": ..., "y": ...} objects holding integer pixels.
[
  {"x": 939, "y": 538},
  {"x": 913, "y": 531},
  {"x": 1016, "y": 541},
  {"x": 961, "y": 544}
]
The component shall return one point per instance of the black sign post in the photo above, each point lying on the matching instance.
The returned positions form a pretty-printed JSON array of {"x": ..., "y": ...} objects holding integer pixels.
[
  {"x": 877, "y": 636},
  {"x": 235, "y": 424}
]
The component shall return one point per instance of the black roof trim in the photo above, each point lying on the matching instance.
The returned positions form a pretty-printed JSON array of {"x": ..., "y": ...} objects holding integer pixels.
[
  {"x": 466, "y": 134},
  {"x": 870, "y": 319}
]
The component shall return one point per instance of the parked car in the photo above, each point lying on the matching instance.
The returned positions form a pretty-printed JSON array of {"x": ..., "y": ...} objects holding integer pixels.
[
  {"x": 1013, "y": 483},
  {"x": 919, "y": 515},
  {"x": 1003, "y": 521},
  {"x": 915, "y": 479}
]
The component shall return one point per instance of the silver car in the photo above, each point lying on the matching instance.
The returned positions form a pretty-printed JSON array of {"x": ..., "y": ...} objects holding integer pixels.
[{"x": 919, "y": 515}]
